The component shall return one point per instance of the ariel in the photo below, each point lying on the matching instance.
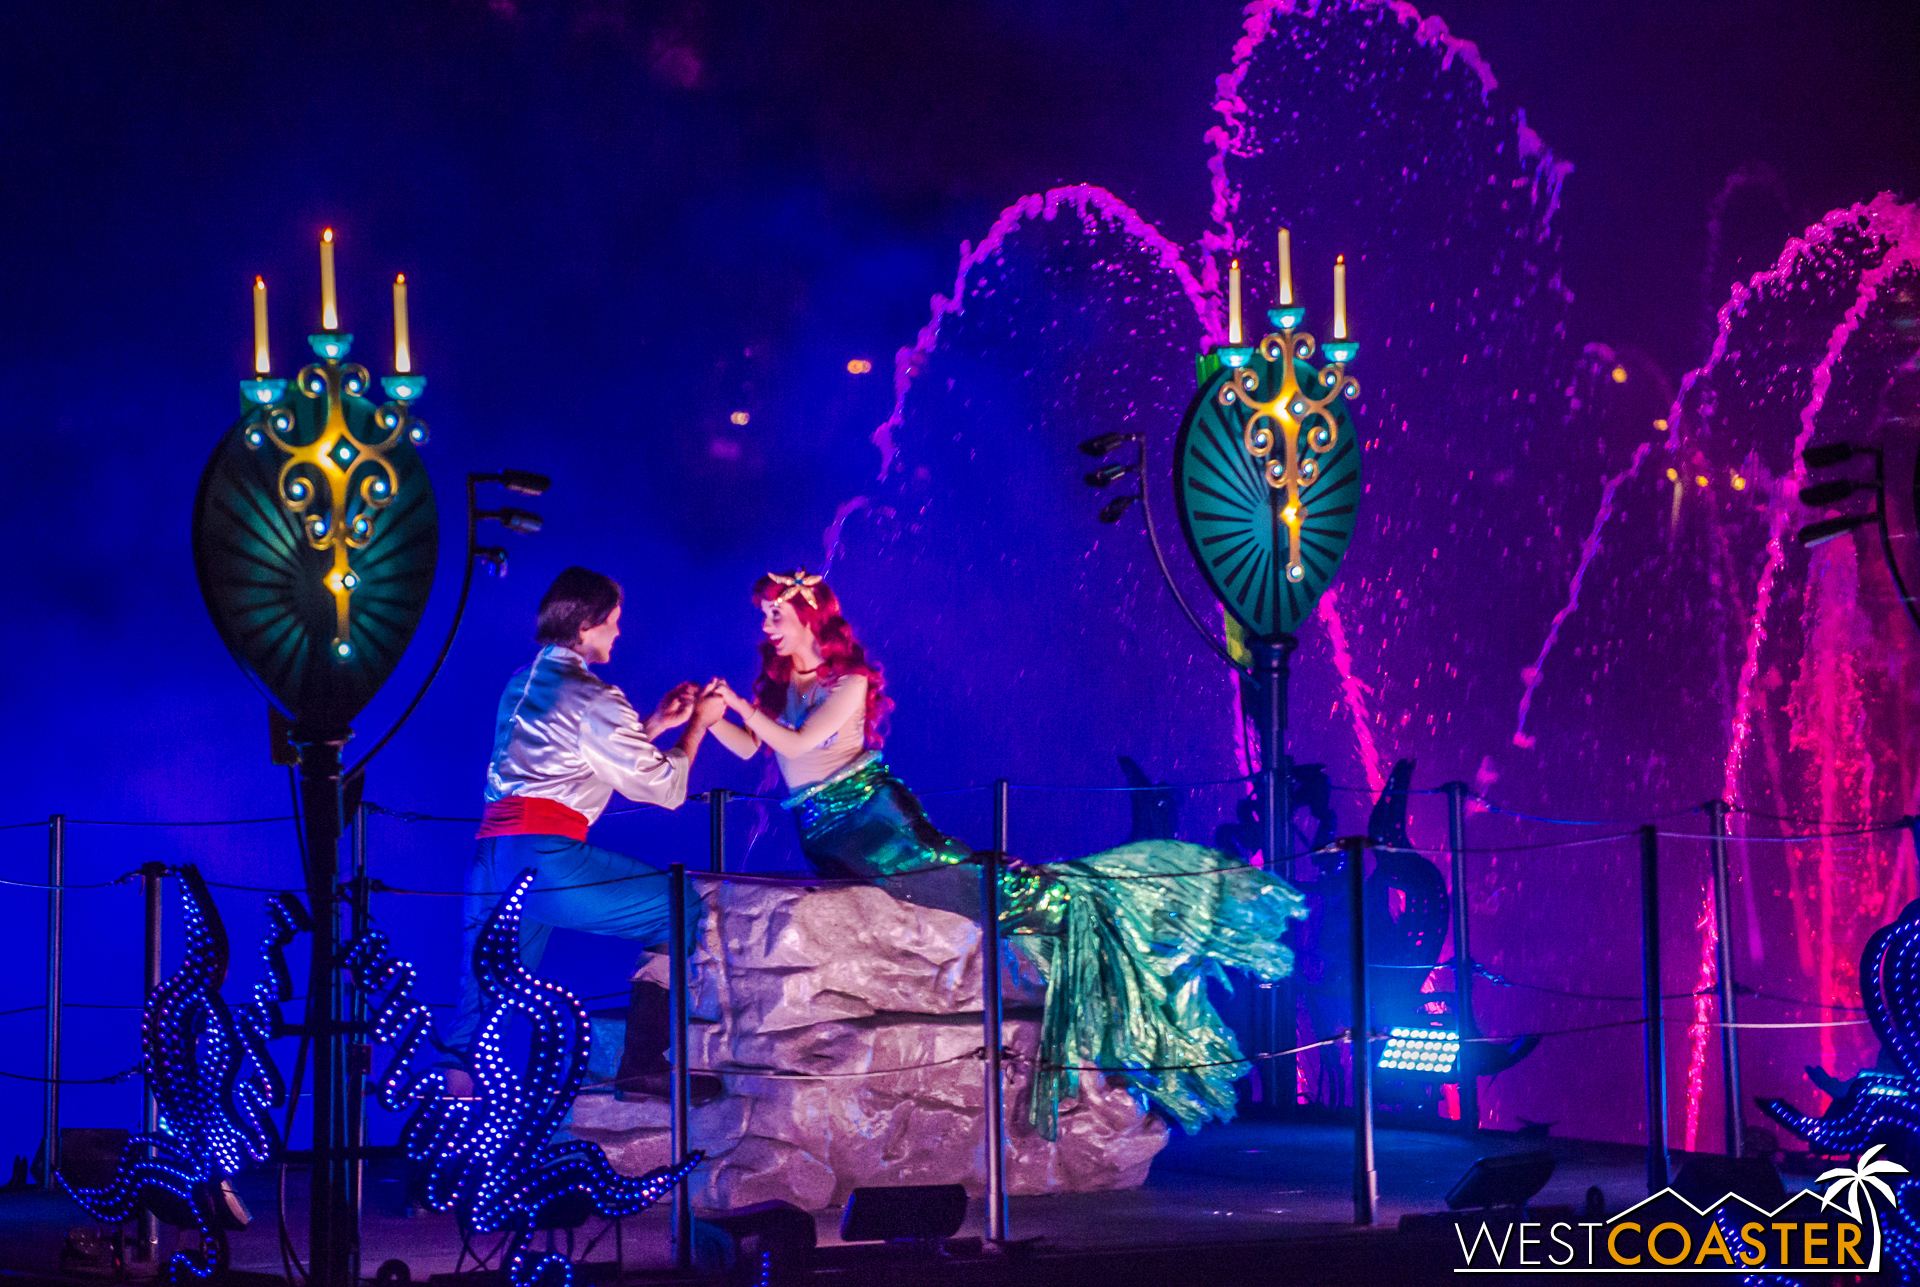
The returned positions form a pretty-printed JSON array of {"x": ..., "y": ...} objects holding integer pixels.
[{"x": 1126, "y": 939}]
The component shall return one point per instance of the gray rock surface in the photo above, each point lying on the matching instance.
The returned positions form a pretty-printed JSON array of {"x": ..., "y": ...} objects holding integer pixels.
[{"x": 846, "y": 985}]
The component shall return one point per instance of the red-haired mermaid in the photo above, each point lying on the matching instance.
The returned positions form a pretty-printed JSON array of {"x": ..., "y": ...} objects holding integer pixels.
[{"x": 1127, "y": 938}]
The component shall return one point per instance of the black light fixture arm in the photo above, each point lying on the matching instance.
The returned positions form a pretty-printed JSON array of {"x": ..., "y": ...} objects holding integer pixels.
[
  {"x": 1820, "y": 495},
  {"x": 514, "y": 480},
  {"x": 1886, "y": 536},
  {"x": 1166, "y": 573}
]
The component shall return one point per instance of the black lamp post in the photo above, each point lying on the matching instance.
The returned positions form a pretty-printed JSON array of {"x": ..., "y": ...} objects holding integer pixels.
[
  {"x": 1267, "y": 479},
  {"x": 314, "y": 540}
]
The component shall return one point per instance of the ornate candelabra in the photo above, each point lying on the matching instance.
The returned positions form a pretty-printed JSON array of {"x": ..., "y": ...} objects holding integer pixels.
[
  {"x": 1267, "y": 479},
  {"x": 315, "y": 538},
  {"x": 1267, "y": 472},
  {"x": 337, "y": 474}
]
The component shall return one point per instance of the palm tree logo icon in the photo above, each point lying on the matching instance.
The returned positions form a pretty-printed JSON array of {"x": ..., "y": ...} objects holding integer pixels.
[{"x": 1858, "y": 1180}]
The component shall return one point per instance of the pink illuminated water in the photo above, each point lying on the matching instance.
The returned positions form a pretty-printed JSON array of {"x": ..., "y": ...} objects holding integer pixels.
[
  {"x": 1353, "y": 690},
  {"x": 1530, "y": 677},
  {"x": 1856, "y": 252},
  {"x": 1662, "y": 640}
]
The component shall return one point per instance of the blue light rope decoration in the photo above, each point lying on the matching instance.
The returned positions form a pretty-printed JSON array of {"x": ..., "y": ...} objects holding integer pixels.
[
  {"x": 1882, "y": 1105},
  {"x": 493, "y": 1158},
  {"x": 215, "y": 1084}
]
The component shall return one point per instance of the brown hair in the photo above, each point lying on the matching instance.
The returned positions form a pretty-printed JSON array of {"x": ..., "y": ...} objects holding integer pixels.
[{"x": 577, "y": 600}]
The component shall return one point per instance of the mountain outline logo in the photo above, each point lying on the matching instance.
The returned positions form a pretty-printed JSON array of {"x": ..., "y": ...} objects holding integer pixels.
[{"x": 1666, "y": 1233}]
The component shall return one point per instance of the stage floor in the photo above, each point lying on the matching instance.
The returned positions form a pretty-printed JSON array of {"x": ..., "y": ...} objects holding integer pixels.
[{"x": 1256, "y": 1202}]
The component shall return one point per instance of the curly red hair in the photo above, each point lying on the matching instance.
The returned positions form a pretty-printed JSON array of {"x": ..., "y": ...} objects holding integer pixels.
[{"x": 840, "y": 654}]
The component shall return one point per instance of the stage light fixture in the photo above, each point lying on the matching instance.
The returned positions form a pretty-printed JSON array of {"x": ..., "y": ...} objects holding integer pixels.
[
  {"x": 1427, "y": 1053},
  {"x": 1107, "y": 475},
  {"x": 525, "y": 522},
  {"x": 1113, "y": 509},
  {"x": 1105, "y": 443},
  {"x": 1509, "y": 1181},
  {"x": 527, "y": 484},
  {"x": 916, "y": 1211},
  {"x": 1829, "y": 529},
  {"x": 1707, "y": 1177},
  {"x": 1821, "y": 495},
  {"x": 1827, "y": 456},
  {"x": 516, "y": 480}
]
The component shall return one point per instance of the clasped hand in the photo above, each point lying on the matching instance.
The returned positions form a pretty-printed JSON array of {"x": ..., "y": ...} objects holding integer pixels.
[
  {"x": 683, "y": 702},
  {"x": 701, "y": 704},
  {"x": 720, "y": 690}
]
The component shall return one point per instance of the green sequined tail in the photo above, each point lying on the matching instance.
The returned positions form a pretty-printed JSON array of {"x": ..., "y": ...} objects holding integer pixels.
[{"x": 1145, "y": 927}]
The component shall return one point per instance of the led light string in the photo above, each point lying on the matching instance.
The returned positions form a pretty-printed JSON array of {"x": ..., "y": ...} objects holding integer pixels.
[
  {"x": 1740, "y": 989},
  {"x": 1491, "y": 806}
]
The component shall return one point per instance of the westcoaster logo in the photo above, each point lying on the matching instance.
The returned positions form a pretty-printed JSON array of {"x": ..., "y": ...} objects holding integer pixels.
[{"x": 1836, "y": 1229}]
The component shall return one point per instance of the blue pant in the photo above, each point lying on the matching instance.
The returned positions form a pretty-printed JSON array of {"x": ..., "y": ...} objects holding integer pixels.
[{"x": 576, "y": 886}]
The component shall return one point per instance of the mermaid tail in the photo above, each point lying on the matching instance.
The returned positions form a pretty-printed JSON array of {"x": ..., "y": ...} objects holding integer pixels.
[
  {"x": 1128, "y": 939},
  {"x": 1143, "y": 931}
]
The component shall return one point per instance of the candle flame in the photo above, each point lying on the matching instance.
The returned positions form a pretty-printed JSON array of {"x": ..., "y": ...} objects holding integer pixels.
[
  {"x": 402, "y": 344},
  {"x": 1234, "y": 334},
  {"x": 262, "y": 358},
  {"x": 329, "y": 304},
  {"x": 1339, "y": 297}
]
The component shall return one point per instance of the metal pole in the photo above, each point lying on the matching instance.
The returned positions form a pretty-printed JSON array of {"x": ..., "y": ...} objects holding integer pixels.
[
  {"x": 1729, "y": 1035},
  {"x": 360, "y": 1013},
  {"x": 679, "y": 1087},
  {"x": 147, "y": 1240},
  {"x": 1366, "y": 1177},
  {"x": 1462, "y": 957},
  {"x": 333, "y": 1230},
  {"x": 717, "y": 815},
  {"x": 56, "y": 877},
  {"x": 990, "y": 1017},
  {"x": 1650, "y": 993},
  {"x": 1277, "y": 1022}
]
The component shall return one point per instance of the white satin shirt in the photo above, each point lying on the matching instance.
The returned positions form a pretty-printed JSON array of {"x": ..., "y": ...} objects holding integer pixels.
[{"x": 565, "y": 734}]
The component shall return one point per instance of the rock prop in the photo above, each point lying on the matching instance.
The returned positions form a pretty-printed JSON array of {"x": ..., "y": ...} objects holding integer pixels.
[{"x": 841, "y": 984}]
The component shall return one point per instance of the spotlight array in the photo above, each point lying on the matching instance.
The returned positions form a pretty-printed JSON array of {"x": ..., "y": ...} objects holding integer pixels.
[{"x": 1422, "y": 1052}]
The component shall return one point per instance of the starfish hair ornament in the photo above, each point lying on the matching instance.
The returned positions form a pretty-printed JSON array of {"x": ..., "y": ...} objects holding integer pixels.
[{"x": 801, "y": 582}]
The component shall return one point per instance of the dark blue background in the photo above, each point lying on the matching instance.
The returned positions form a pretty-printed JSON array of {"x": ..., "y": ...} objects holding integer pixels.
[{"x": 622, "y": 222}]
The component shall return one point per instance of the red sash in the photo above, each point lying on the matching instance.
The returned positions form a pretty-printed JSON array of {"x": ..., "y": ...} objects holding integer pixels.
[{"x": 526, "y": 815}]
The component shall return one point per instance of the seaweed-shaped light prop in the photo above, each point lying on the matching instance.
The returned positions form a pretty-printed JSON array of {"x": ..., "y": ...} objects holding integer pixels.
[
  {"x": 493, "y": 1158},
  {"x": 215, "y": 1084},
  {"x": 1880, "y": 1107}
]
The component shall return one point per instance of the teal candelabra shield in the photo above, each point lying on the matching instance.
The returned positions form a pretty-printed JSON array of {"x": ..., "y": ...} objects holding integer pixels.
[
  {"x": 314, "y": 537},
  {"x": 1267, "y": 473}
]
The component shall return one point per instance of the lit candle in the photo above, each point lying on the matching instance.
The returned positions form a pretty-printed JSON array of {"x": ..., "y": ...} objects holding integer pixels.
[
  {"x": 1286, "y": 269},
  {"x": 1233, "y": 302},
  {"x": 1339, "y": 297},
  {"x": 262, "y": 364},
  {"x": 402, "y": 352},
  {"x": 329, "y": 305}
]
